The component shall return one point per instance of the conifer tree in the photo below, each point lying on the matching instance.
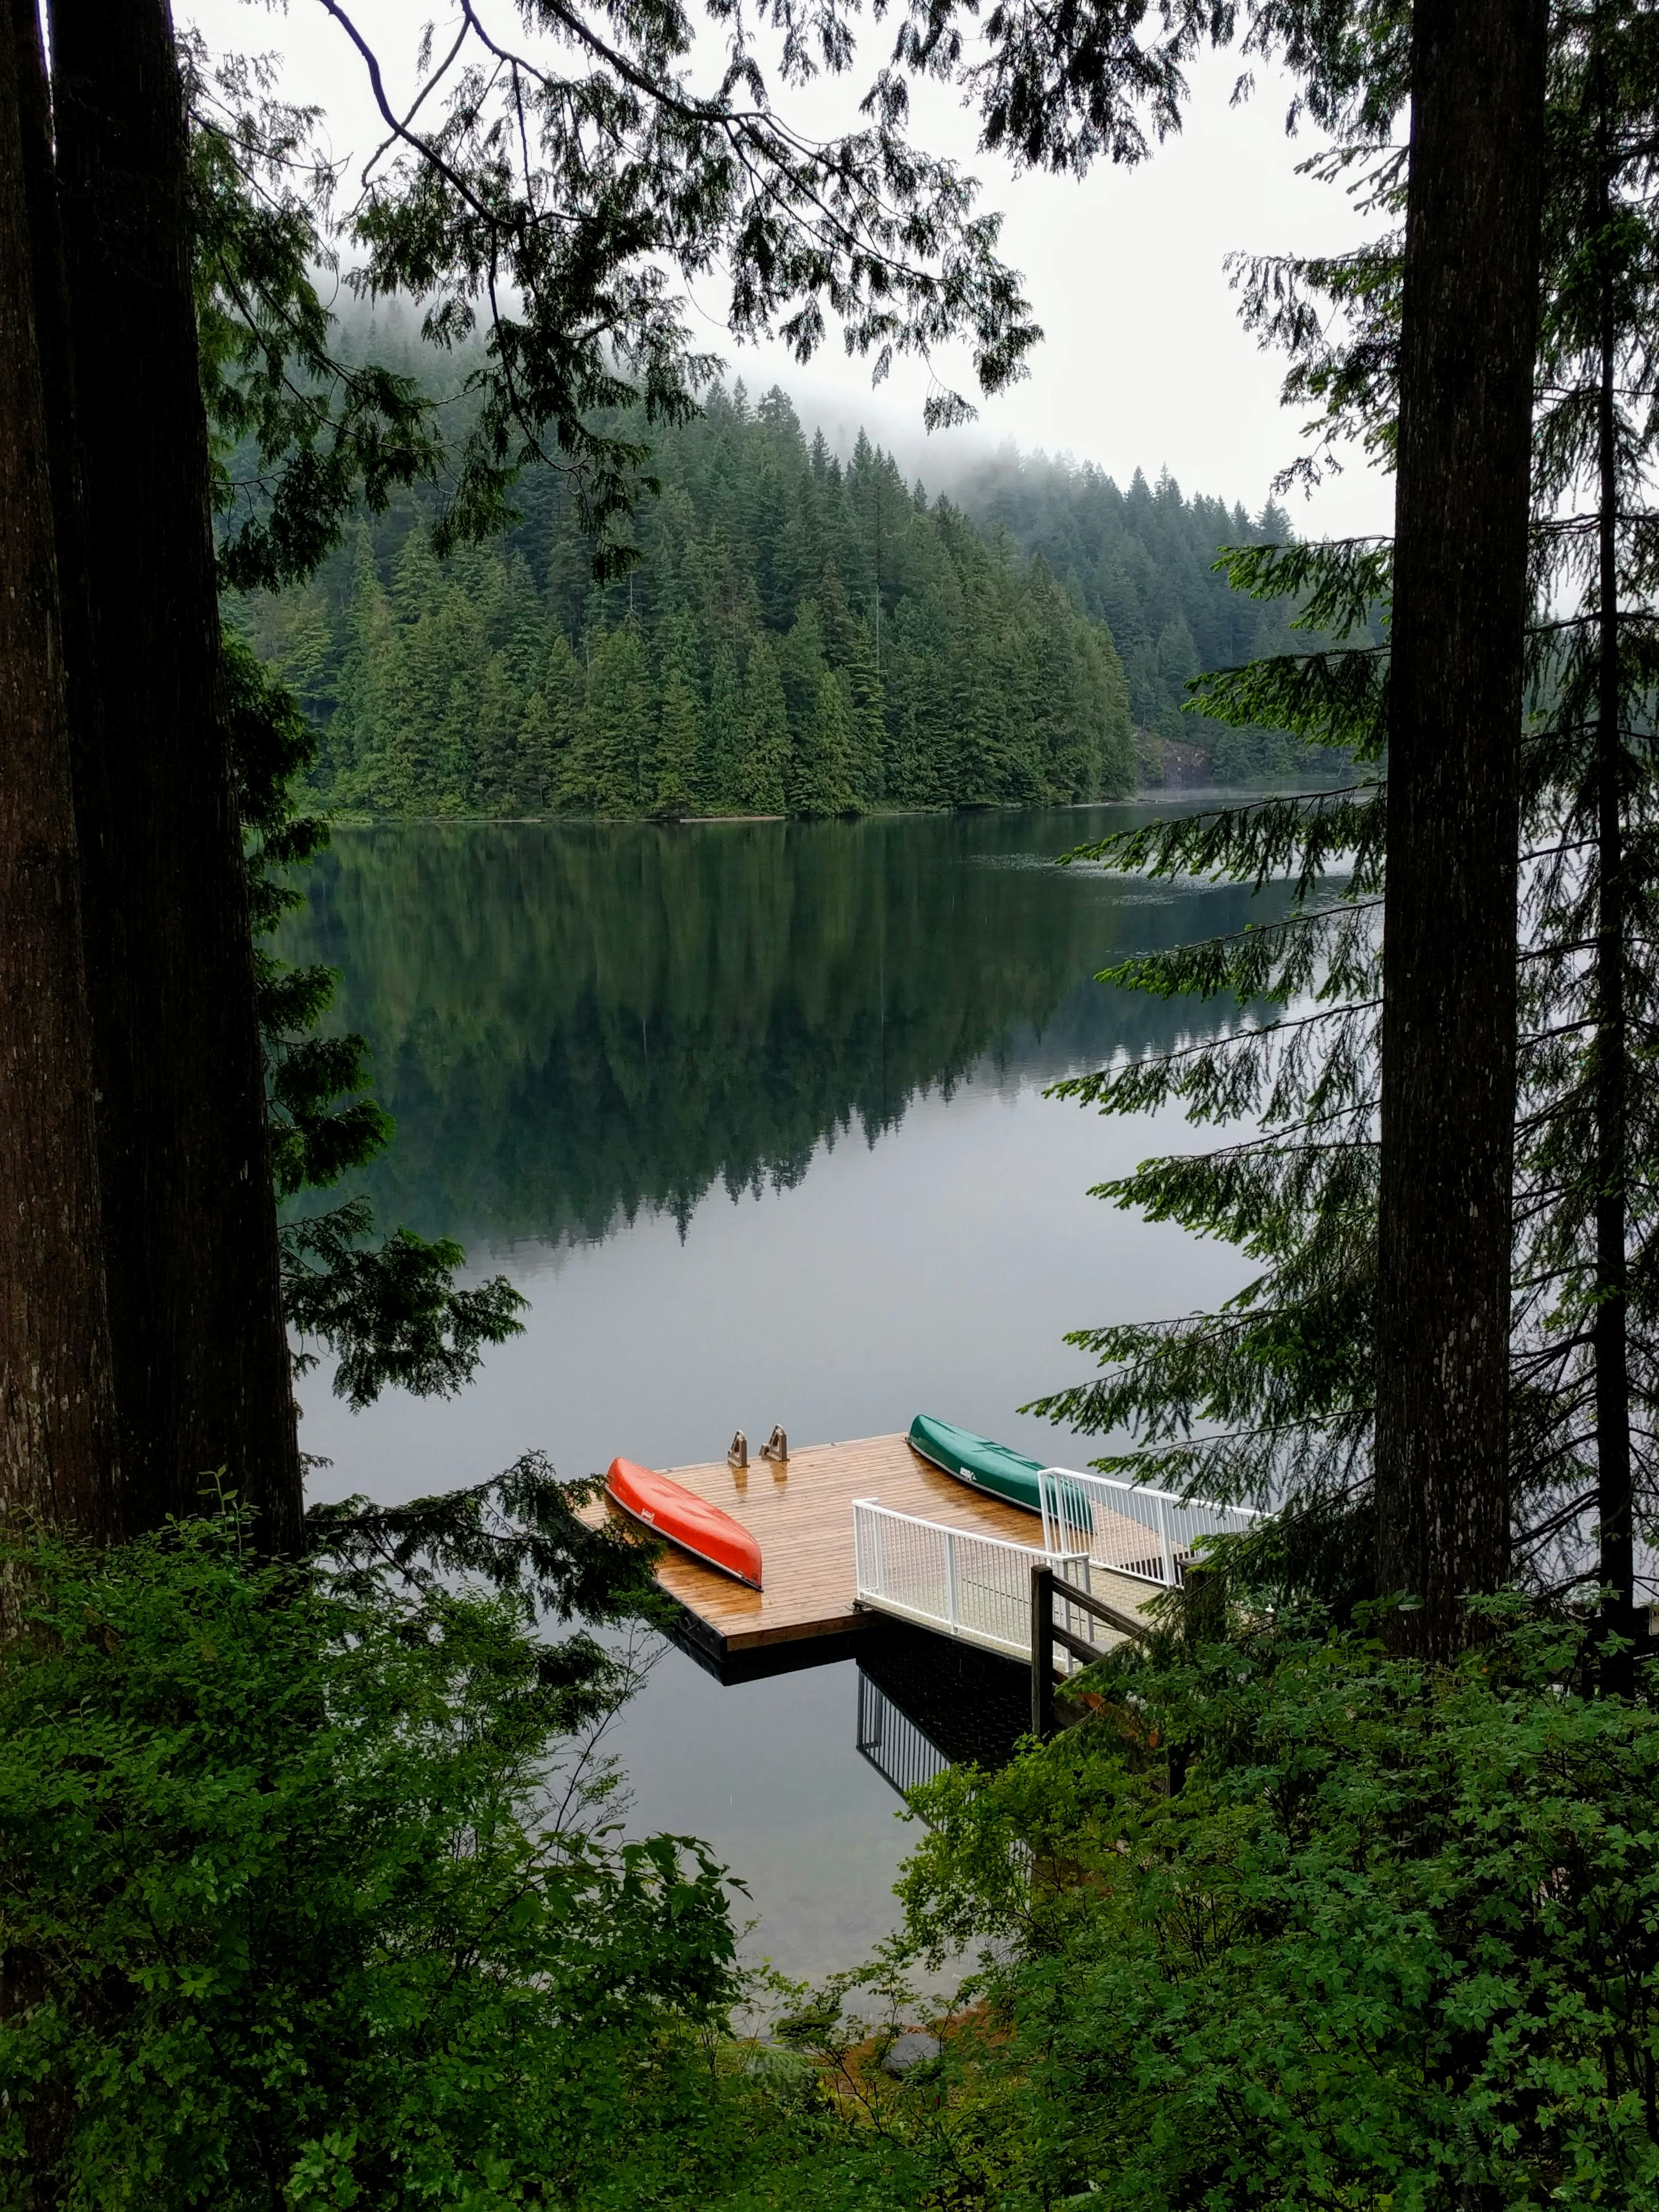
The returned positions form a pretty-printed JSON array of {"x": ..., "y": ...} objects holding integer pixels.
[
  {"x": 1046, "y": 684},
  {"x": 498, "y": 719},
  {"x": 59, "y": 1445},
  {"x": 768, "y": 767},
  {"x": 725, "y": 738},
  {"x": 679, "y": 747},
  {"x": 1286, "y": 1376},
  {"x": 607, "y": 765},
  {"x": 802, "y": 665},
  {"x": 1590, "y": 1127},
  {"x": 824, "y": 759},
  {"x": 373, "y": 702},
  {"x": 978, "y": 772},
  {"x": 188, "y": 1232},
  {"x": 848, "y": 649}
]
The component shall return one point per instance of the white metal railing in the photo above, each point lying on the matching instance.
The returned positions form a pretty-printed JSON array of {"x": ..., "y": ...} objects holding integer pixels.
[
  {"x": 1128, "y": 1529},
  {"x": 971, "y": 1586}
]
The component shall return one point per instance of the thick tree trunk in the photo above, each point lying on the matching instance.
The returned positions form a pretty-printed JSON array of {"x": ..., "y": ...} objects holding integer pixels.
[
  {"x": 201, "y": 1361},
  {"x": 51, "y": 327},
  {"x": 1469, "y": 318},
  {"x": 58, "y": 1429},
  {"x": 1615, "y": 1503}
]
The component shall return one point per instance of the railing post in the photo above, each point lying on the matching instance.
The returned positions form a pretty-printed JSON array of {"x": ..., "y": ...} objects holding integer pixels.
[
  {"x": 950, "y": 1578},
  {"x": 1043, "y": 1651},
  {"x": 869, "y": 1551},
  {"x": 1164, "y": 1538}
]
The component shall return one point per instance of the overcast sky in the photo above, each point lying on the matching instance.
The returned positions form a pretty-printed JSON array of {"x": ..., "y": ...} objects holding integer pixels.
[{"x": 1143, "y": 363}]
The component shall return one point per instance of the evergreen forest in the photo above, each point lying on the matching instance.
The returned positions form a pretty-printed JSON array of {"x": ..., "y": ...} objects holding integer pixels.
[
  {"x": 1145, "y": 562},
  {"x": 800, "y": 636}
]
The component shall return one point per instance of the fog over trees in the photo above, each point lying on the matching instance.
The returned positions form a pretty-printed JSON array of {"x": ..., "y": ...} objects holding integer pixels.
[{"x": 802, "y": 634}]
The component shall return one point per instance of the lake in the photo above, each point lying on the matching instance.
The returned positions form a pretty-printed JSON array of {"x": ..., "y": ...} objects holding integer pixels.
[{"x": 752, "y": 1113}]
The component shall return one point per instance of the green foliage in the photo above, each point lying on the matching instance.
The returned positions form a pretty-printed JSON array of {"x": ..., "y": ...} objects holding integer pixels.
[
  {"x": 300, "y": 434},
  {"x": 1271, "y": 1396},
  {"x": 521, "y": 1533},
  {"x": 294, "y": 1913},
  {"x": 1588, "y": 1124},
  {"x": 500, "y": 681},
  {"x": 391, "y": 1312},
  {"x": 679, "y": 744},
  {"x": 1269, "y": 1399},
  {"x": 312, "y": 1897},
  {"x": 1284, "y": 1922},
  {"x": 824, "y": 771},
  {"x": 756, "y": 777},
  {"x": 322, "y": 1123}
]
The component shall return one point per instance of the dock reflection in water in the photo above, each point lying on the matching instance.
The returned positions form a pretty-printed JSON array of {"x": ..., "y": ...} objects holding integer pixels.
[{"x": 925, "y": 1703}]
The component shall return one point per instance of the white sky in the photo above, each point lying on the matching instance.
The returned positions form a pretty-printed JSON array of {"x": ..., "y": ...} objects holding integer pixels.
[{"x": 1143, "y": 363}]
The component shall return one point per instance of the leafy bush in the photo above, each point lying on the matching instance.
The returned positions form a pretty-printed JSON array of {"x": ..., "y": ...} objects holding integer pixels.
[
  {"x": 287, "y": 1919},
  {"x": 1392, "y": 1942}
]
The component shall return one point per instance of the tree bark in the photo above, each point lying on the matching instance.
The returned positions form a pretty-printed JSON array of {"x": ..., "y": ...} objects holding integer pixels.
[
  {"x": 51, "y": 330},
  {"x": 1469, "y": 328},
  {"x": 1615, "y": 1503},
  {"x": 58, "y": 1426},
  {"x": 201, "y": 1357}
]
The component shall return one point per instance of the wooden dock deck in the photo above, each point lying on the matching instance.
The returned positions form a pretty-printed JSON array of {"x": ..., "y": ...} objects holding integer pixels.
[{"x": 801, "y": 1515}]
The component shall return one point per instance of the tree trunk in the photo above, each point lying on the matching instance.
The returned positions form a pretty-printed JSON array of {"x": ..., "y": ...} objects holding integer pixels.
[
  {"x": 52, "y": 341},
  {"x": 201, "y": 1359},
  {"x": 1615, "y": 1502},
  {"x": 58, "y": 1429},
  {"x": 1468, "y": 324}
]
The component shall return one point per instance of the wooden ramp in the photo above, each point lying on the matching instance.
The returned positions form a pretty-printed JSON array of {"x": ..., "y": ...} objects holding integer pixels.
[{"x": 801, "y": 1515}]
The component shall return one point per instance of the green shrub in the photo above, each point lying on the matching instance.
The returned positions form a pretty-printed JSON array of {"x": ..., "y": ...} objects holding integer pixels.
[
  {"x": 1392, "y": 1942},
  {"x": 285, "y": 1919}
]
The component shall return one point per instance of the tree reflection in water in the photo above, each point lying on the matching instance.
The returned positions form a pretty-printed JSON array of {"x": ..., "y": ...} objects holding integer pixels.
[{"x": 574, "y": 1023}]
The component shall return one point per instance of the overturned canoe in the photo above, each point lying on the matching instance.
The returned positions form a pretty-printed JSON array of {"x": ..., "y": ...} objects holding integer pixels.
[
  {"x": 997, "y": 1468},
  {"x": 671, "y": 1510}
]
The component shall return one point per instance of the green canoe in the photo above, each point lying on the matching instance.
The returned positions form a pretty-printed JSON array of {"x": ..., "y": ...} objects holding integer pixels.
[{"x": 994, "y": 1468}]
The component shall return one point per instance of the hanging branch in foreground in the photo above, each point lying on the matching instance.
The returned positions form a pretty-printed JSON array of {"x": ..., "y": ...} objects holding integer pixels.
[
  {"x": 521, "y": 1531},
  {"x": 391, "y": 1312},
  {"x": 549, "y": 187}
]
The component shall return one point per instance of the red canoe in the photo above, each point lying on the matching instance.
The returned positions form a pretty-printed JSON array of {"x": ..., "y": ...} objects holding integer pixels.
[{"x": 669, "y": 1509}]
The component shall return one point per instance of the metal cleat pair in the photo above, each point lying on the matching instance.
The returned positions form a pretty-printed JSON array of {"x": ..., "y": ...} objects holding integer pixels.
[{"x": 776, "y": 1449}]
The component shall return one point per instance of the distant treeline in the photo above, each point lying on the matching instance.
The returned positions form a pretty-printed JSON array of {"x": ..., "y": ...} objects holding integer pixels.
[
  {"x": 802, "y": 636},
  {"x": 1143, "y": 562}
]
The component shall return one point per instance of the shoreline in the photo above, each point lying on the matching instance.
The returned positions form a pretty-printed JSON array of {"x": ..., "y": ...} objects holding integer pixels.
[{"x": 1153, "y": 793}]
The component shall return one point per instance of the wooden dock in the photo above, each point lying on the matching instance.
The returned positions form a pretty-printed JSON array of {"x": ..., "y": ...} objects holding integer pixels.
[{"x": 801, "y": 1515}]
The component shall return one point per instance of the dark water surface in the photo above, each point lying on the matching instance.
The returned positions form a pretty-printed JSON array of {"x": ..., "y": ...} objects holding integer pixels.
[{"x": 752, "y": 1114}]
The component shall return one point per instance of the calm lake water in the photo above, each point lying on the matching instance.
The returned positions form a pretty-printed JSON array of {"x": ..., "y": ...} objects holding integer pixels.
[{"x": 752, "y": 1114}]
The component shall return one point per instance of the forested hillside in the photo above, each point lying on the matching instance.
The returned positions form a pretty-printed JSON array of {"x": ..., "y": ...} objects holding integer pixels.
[
  {"x": 802, "y": 636},
  {"x": 1142, "y": 561}
]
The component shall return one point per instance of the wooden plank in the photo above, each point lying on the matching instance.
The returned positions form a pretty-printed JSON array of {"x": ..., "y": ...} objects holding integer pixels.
[{"x": 801, "y": 1515}]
